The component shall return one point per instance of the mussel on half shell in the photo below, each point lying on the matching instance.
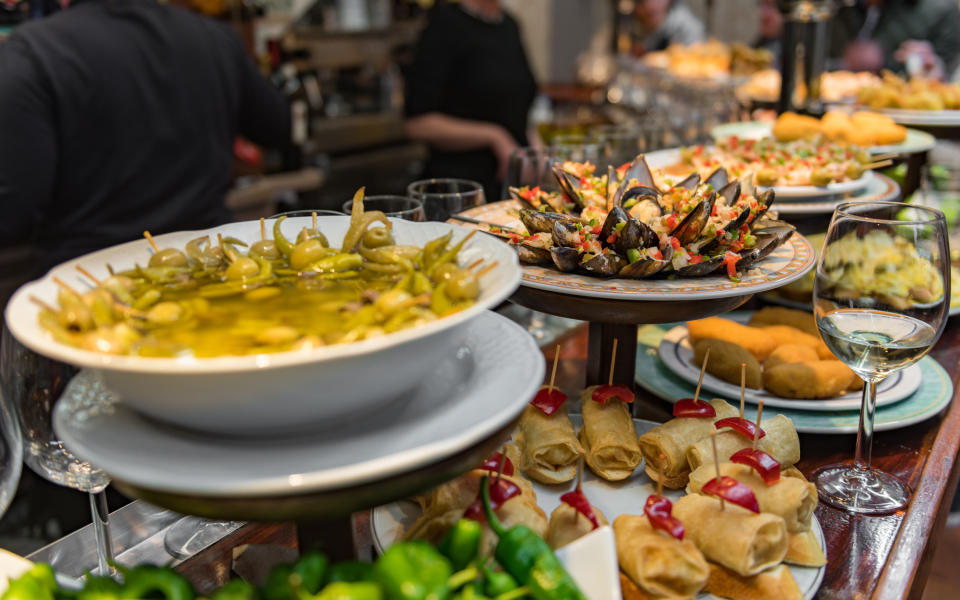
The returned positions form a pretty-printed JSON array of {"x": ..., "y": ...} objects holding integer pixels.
[
  {"x": 565, "y": 259},
  {"x": 566, "y": 234},
  {"x": 537, "y": 221},
  {"x": 647, "y": 267},
  {"x": 718, "y": 178},
  {"x": 706, "y": 267},
  {"x": 688, "y": 230},
  {"x": 606, "y": 265}
]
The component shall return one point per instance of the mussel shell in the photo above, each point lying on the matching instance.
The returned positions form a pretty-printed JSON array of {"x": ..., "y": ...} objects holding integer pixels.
[
  {"x": 718, "y": 178},
  {"x": 647, "y": 267},
  {"x": 569, "y": 184},
  {"x": 646, "y": 210},
  {"x": 639, "y": 170},
  {"x": 565, "y": 259},
  {"x": 566, "y": 234},
  {"x": 515, "y": 195},
  {"x": 606, "y": 265},
  {"x": 531, "y": 255},
  {"x": 730, "y": 192},
  {"x": 767, "y": 242},
  {"x": 542, "y": 222},
  {"x": 706, "y": 267},
  {"x": 688, "y": 230},
  {"x": 616, "y": 216},
  {"x": 690, "y": 182},
  {"x": 764, "y": 202}
]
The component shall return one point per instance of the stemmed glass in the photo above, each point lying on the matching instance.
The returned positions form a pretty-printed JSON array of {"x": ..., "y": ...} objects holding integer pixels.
[
  {"x": 444, "y": 197},
  {"x": 877, "y": 324},
  {"x": 33, "y": 384}
]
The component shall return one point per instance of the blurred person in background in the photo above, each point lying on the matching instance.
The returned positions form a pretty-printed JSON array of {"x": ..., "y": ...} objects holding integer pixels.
[
  {"x": 769, "y": 29},
  {"x": 920, "y": 37},
  {"x": 469, "y": 90},
  {"x": 660, "y": 23},
  {"x": 119, "y": 116}
]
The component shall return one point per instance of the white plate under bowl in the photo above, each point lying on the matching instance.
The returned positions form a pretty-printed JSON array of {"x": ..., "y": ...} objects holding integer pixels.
[
  {"x": 664, "y": 158},
  {"x": 267, "y": 393},
  {"x": 492, "y": 369},
  {"x": 880, "y": 189},
  {"x": 787, "y": 263},
  {"x": 916, "y": 141},
  {"x": 677, "y": 354},
  {"x": 625, "y": 497}
]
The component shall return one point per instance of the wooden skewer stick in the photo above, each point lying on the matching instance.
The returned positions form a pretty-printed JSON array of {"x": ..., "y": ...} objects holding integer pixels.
[
  {"x": 229, "y": 254},
  {"x": 487, "y": 269},
  {"x": 756, "y": 434},
  {"x": 149, "y": 237},
  {"x": 703, "y": 369},
  {"x": 661, "y": 458},
  {"x": 472, "y": 233},
  {"x": 553, "y": 374},
  {"x": 313, "y": 216},
  {"x": 110, "y": 270},
  {"x": 88, "y": 274},
  {"x": 613, "y": 361},
  {"x": 884, "y": 156},
  {"x": 64, "y": 285},
  {"x": 716, "y": 460},
  {"x": 743, "y": 385},
  {"x": 878, "y": 164},
  {"x": 576, "y": 513},
  {"x": 263, "y": 229},
  {"x": 42, "y": 304},
  {"x": 475, "y": 264}
]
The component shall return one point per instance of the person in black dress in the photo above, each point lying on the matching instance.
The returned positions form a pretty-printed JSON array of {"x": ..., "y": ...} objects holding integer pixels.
[{"x": 468, "y": 92}]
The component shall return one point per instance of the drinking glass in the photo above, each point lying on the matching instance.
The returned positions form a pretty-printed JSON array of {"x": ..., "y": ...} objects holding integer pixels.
[
  {"x": 878, "y": 324},
  {"x": 398, "y": 207},
  {"x": 11, "y": 452},
  {"x": 618, "y": 144},
  {"x": 576, "y": 147},
  {"x": 443, "y": 197},
  {"x": 33, "y": 384},
  {"x": 530, "y": 167}
]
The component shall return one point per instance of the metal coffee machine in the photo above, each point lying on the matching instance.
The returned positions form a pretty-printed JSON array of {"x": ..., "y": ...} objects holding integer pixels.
[{"x": 805, "y": 42}]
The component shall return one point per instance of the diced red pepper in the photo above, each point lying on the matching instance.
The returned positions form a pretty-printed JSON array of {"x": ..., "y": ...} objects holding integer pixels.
[
  {"x": 549, "y": 401},
  {"x": 671, "y": 220},
  {"x": 583, "y": 182},
  {"x": 719, "y": 232},
  {"x": 605, "y": 392},
  {"x": 736, "y": 246},
  {"x": 596, "y": 229},
  {"x": 761, "y": 462},
  {"x": 695, "y": 259},
  {"x": 514, "y": 238},
  {"x": 675, "y": 243},
  {"x": 730, "y": 260},
  {"x": 747, "y": 429},
  {"x": 688, "y": 407},
  {"x": 611, "y": 238},
  {"x": 733, "y": 492},
  {"x": 578, "y": 500},
  {"x": 622, "y": 169},
  {"x": 492, "y": 464},
  {"x": 659, "y": 512},
  {"x": 501, "y": 490},
  {"x": 655, "y": 253}
]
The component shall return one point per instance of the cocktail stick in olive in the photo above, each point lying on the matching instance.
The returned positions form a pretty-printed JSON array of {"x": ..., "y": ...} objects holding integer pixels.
[
  {"x": 820, "y": 177},
  {"x": 377, "y": 237},
  {"x": 306, "y": 253},
  {"x": 854, "y": 171},
  {"x": 242, "y": 268},
  {"x": 463, "y": 286},
  {"x": 444, "y": 272},
  {"x": 264, "y": 248},
  {"x": 312, "y": 233},
  {"x": 168, "y": 257},
  {"x": 767, "y": 177},
  {"x": 89, "y": 275}
]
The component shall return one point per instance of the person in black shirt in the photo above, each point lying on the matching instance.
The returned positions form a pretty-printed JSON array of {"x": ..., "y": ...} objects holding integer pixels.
[
  {"x": 118, "y": 116},
  {"x": 468, "y": 92}
]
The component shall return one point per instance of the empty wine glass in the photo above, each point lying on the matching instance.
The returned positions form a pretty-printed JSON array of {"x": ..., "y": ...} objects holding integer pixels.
[
  {"x": 398, "y": 207},
  {"x": 443, "y": 197},
  {"x": 33, "y": 384},
  {"x": 11, "y": 452},
  {"x": 881, "y": 300}
]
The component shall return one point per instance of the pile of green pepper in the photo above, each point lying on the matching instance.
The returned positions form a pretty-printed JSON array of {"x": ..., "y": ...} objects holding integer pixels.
[
  {"x": 523, "y": 566},
  {"x": 223, "y": 297}
]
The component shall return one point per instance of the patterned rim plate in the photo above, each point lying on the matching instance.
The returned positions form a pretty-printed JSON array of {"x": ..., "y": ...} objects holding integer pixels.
[
  {"x": 671, "y": 156},
  {"x": 388, "y": 522},
  {"x": 880, "y": 189},
  {"x": 929, "y": 118},
  {"x": 934, "y": 394},
  {"x": 677, "y": 354},
  {"x": 787, "y": 263},
  {"x": 917, "y": 141}
]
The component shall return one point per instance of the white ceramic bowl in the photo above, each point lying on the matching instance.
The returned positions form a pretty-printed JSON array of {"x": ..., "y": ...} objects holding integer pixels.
[{"x": 267, "y": 394}]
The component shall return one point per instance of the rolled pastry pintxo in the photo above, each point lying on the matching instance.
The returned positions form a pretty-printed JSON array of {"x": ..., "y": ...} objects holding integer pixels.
[
  {"x": 568, "y": 524},
  {"x": 776, "y": 584},
  {"x": 660, "y": 565},
  {"x": 609, "y": 437},
  {"x": 672, "y": 439},
  {"x": 781, "y": 442},
  {"x": 549, "y": 449},
  {"x": 790, "y": 498},
  {"x": 743, "y": 541},
  {"x": 462, "y": 491}
]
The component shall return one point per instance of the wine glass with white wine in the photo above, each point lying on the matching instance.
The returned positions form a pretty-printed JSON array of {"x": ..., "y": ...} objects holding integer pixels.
[{"x": 881, "y": 300}]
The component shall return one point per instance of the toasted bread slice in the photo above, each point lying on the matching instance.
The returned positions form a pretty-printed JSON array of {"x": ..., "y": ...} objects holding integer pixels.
[{"x": 776, "y": 583}]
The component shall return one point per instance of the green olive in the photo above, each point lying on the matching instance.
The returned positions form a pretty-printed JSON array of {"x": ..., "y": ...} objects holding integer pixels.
[
  {"x": 262, "y": 293},
  {"x": 820, "y": 177},
  {"x": 277, "y": 335},
  {"x": 242, "y": 268},
  {"x": 444, "y": 272},
  {"x": 312, "y": 234},
  {"x": 378, "y": 237},
  {"x": 391, "y": 301},
  {"x": 862, "y": 156},
  {"x": 265, "y": 249},
  {"x": 463, "y": 286},
  {"x": 854, "y": 171},
  {"x": 767, "y": 177},
  {"x": 164, "y": 312},
  {"x": 306, "y": 253},
  {"x": 168, "y": 257}
]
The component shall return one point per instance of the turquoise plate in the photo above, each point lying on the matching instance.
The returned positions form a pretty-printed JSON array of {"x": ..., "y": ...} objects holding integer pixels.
[{"x": 934, "y": 394}]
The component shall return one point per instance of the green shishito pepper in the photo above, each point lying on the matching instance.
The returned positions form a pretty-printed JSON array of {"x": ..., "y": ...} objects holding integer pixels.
[
  {"x": 528, "y": 558},
  {"x": 461, "y": 543},
  {"x": 155, "y": 581},
  {"x": 236, "y": 589},
  {"x": 413, "y": 571},
  {"x": 38, "y": 583},
  {"x": 342, "y": 590},
  {"x": 310, "y": 572},
  {"x": 350, "y": 571},
  {"x": 497, "y": 582}
]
